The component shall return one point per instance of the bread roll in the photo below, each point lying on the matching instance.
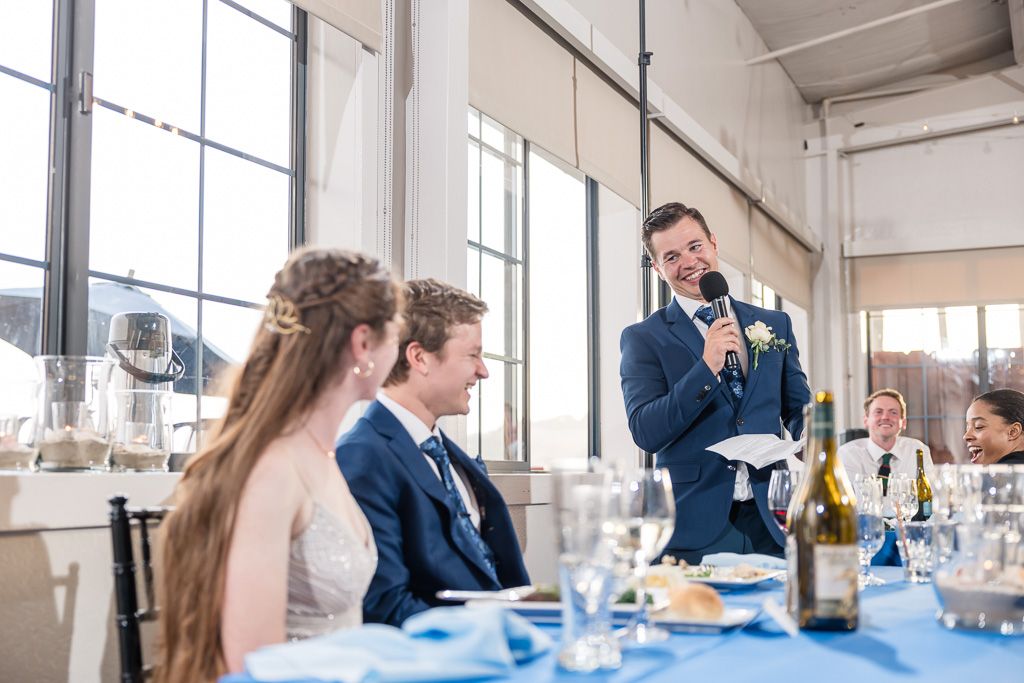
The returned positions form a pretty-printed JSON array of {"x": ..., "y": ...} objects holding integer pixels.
[{"x": 695, "y": 601}]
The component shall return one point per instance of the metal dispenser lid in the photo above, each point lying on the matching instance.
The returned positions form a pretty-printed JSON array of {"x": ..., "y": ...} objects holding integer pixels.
[{"x": 141, "y": 332}]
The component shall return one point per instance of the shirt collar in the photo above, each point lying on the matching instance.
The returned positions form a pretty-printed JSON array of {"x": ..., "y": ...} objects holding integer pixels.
[
  {"x": 415, "y": 426},
  {"x": 690, "y": 306},
  {"x": 876, "y": 451}
]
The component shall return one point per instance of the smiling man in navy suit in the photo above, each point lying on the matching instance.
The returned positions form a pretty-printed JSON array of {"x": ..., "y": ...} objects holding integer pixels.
[
  {"x": 680, "y": 399},
  {"x": 438, "y": 521}
]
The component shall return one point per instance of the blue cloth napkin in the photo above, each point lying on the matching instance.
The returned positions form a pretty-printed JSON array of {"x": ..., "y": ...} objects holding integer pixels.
[
  {"x": 753, "y": 559},
  {"x": 444, "y": 643}
]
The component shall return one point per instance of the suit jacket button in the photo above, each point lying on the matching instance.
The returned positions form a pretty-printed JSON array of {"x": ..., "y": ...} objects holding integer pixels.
[
  {"x": 707, "y": 387},
  {"x": 740, "y": 422}
]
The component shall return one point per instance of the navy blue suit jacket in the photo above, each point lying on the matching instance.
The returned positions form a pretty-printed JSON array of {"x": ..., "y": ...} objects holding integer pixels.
[
  {"x": 677, "y": 408},
  {"x": 420, "y": 548}
]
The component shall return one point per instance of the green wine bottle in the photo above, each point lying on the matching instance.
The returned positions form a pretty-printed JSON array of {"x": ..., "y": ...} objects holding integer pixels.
[
  {"x": 821, "y": 549},
  {"x": 924, "y": 490}
]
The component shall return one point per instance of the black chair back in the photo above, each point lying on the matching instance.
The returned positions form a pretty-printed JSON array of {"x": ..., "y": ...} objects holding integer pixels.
[{"x": 129, "y": 616}]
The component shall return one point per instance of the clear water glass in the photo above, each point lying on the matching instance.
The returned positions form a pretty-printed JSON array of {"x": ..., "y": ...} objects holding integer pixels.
[
  {"x": 645, "y": 518},
  {"x": 585, "y": 569},
  {"x": 870, "y": 528}
]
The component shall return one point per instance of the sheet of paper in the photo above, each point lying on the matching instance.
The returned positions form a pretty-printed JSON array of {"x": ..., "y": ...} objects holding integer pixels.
[{"x": 757, "y": 450}]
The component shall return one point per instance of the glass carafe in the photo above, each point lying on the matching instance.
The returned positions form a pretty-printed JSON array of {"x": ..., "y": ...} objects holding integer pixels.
[
  {"x": 981, "y": 583},
  {"x": 73, "y": 419}
]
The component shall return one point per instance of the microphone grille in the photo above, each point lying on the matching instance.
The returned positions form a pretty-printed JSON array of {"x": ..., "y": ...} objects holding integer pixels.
[{"x": 713, "y": 285}]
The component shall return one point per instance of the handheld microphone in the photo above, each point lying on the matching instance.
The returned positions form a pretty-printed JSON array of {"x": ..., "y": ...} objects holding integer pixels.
[{"x": 714, "y": 289}]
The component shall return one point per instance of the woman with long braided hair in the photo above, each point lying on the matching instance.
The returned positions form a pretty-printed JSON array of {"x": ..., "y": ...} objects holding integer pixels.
[{"x": 266, "y": 542}]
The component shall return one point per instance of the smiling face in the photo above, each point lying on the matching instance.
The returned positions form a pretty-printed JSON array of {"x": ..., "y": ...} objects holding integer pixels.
[
  {"x": 884, "y": 420},
  {"x": 454, "y": 370},
  {"x": 683, "y": 253},
  {"x": 989, "y": 437}
]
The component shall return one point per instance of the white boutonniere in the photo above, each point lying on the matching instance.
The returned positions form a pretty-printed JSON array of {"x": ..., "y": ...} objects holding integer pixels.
[{"x": 762, "y": 339}]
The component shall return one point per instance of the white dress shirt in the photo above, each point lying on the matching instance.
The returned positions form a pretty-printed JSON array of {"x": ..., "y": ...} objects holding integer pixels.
[
  {"x": 420, "y": 433},
  {"x": 865, "y": 456},
  {"x": 741, "y": 489}
]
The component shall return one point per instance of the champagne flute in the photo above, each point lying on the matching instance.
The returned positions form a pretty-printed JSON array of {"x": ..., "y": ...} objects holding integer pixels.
[
  {"x": 781, "y": 487},
  {"x": 645, "y": 519},
  {"x": 870, "y": 530}
]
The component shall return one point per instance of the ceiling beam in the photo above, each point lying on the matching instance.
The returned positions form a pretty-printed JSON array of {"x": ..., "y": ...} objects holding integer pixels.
[
  {"x": 775, "y": 54},
  {"x": 933, "y": 135}
]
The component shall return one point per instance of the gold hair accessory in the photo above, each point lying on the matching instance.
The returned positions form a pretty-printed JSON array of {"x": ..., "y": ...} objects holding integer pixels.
[
  {"x": 281, "y": 316},
  {"x": 369, "y": 369}
]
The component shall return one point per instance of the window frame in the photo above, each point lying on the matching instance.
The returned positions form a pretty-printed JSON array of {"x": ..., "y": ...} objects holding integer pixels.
[
  {"x": 66, "y": 271},
  {"x": 591, "y": 190},
  {"x": 980, "y": 366}
]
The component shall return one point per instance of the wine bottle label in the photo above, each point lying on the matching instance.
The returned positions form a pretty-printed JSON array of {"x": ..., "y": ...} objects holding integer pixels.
[
  {"x": 926, "y": 508},
  {"x": 835, "y": 580}
]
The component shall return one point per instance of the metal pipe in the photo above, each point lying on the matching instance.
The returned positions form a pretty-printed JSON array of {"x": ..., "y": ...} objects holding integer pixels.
[
  {"x": 933, "y": 135},
  {"x": 644, "y": 61},
  {"x": 775, "y": 54}
]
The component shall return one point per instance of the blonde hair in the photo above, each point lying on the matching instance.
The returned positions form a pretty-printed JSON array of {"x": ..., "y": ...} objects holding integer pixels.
[{"x": 332, "y": 292}]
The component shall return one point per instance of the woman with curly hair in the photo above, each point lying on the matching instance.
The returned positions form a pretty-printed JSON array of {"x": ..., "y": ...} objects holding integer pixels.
[{"x": 266, "y": 542}]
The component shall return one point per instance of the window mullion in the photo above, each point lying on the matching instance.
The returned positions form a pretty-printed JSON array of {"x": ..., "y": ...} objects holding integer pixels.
[{"x": 65, "y": 290}]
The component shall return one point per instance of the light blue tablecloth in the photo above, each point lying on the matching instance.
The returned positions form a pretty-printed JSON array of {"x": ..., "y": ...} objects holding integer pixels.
[{"x": 898, "y": 640}]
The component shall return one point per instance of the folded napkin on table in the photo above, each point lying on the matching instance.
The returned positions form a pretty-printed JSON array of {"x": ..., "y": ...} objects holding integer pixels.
[
  {"x": 753, "y": 559},
  {"x": 444, "y": 643}
]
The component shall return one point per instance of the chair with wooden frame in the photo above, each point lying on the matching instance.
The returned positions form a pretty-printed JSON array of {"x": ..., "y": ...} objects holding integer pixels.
[{"x": 129, "y": 616}]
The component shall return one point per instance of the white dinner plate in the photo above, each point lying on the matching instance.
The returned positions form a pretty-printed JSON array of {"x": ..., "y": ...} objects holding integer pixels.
[
  {"x": 551, "y": 613},
  {"x": 720, "y": 578}
]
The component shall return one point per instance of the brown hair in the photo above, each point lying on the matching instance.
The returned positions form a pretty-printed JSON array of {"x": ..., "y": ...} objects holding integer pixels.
[
  {"x": 432, "y": 309},
  {"x": 891, "y": 393},
  {"x": 289, "y": 367},
  {"x": 666, "y": 216}
]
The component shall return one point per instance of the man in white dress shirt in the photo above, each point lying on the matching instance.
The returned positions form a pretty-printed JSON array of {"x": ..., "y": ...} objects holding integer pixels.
[{"x": 885, "y": 416}]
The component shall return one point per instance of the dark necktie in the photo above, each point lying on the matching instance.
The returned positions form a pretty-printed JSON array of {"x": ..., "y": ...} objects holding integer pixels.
[
  {"x": 735, "y": 376},
  {"x": 883, "y": 473},
  {"x": 436, "y": 450}
]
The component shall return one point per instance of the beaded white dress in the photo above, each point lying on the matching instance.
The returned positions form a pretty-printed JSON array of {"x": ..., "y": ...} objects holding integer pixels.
[{"x": 329, "y": 570}]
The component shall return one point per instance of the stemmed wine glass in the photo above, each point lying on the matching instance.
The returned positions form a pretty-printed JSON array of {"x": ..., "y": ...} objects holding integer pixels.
[
  {"x": 904, "y": 489},
  {"x": 870, "y": 530},
  {"x": 644, "y": 516},
  {"x": 781, "y": 488}
]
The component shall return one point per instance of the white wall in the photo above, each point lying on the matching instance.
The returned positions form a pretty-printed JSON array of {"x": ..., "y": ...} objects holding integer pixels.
[
  {"x": 755, "y": 113},
  {"x": 904, "y": 201}
]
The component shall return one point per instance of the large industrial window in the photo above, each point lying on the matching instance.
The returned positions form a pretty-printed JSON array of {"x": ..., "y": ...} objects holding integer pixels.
[
  {"x": 530, "y": 249},
  {"x": 180, "y": 190},
  {"x": 940, "y": 359}
]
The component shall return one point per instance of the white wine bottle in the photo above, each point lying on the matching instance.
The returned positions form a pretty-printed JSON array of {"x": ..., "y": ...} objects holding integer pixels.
[
  {"x": 821, "y": 548},
  {"x": 924, "y": 490}
]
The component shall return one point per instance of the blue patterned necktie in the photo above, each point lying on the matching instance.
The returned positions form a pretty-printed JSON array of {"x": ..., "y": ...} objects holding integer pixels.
[
  {"x": 436, "y": 450},
  {"x": 735, "y": 376}
]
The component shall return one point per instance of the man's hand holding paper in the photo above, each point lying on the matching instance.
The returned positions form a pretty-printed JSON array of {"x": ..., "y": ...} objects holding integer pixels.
[{"x": 757, "y": 450}]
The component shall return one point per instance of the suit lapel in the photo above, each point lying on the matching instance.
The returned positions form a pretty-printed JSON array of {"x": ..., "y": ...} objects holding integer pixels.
[
  {"x": 684, "y": 329},
  {"x": 745, "y": 316},
  {"x": 408, "y": 453}
]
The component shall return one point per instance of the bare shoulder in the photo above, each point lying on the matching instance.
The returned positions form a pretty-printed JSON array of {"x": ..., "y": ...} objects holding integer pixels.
[{"x": 274, "y": 482}]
